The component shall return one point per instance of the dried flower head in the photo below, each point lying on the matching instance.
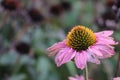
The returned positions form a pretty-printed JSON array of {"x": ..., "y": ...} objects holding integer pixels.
[
  {"x": 35, "y": 15},
  {"x": 110, "y": 3},
  {"x": 56, "y": 10},
  {"x": 66, "y": 5},
  {"x": 10, "y": 4},
  {"x": 22, "y": 47}
]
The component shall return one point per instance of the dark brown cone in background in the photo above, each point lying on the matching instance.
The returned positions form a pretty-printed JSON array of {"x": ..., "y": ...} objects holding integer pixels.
[
  {"x": 10, "y": 4},
  {"x": 110, "y": 3},
  {"x": 35, "y": 15},
  {"x": 66, "y": 5},
  {"x": 118, "y": 3},
  {"x": 56, "y": 10},
  {"x": 22, "y": 47}
]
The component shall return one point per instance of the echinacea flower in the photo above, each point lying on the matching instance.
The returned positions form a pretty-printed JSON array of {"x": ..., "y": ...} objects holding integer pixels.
[
  {"x": 82, "y": 46},
  {"x": 76, "y": 78},
  {"x": 117, "y": 78}
]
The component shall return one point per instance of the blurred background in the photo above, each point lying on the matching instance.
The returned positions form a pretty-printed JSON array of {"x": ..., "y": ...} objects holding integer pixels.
[{"x": 29, "y": 27}]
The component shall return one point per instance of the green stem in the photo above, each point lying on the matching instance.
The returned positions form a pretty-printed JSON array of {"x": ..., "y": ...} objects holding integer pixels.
[
  {"x": 86, "y": 73},
  {"x": 71, "y": 67},
  {"x": 117, "y": 66}
]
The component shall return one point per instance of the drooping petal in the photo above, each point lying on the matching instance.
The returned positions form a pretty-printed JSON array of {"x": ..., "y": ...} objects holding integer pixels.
[
  {"x": 107, "y": 53},
  {"x": 94, "y": 50},
  {"x": 81, "y": 59},
  {"x": 64, "y": 56},
  {"x": 105, "y": 40},
  {"x": 92, "y": 58},
  {"x": 56, "y": 47},
  {"x": 104, "y": 46},
  {"x": 106, "y": 50},
  {"x": 104, "y": 33},
  {"x": 52, "y": 53}
]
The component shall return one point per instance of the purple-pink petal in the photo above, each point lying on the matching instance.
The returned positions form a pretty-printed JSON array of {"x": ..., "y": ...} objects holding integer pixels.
[
  {"x": 56, "y": 47},
  {"x": 104, "y": 33},
  {"x": 94, "y": 50},
  {"x": 81, "y": 59},
  {"x": 107, "y": 53},
  {"x": 91, "y": 57},
  {"x": 106, "y": 50},
  {"x": 104, "y": 40},
  {"x": 64, "y": 56}
]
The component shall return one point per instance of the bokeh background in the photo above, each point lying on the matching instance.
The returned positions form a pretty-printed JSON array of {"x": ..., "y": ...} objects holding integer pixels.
[{"x": 29, "y": 27}]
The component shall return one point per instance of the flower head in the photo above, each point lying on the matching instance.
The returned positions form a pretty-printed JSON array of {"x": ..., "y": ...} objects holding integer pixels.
[
  {"x": 83, "y": 45},
  {"x": 80, "y": 38}
]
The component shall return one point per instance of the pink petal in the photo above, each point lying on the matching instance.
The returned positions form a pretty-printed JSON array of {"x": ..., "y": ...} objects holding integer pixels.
[
  {"x": 107, "y": 53},
  {"x": 104, "y": 33},
  {"x": 106, "y": 50},
  {"x": 94, "y": 50},
  {"x": 64, "y": 56},
  {"x": 52, "y": 53},
  {"x": 92, "y": 58},
  {"x": 106, "y": 40},
  {"x": 56, "y": 47},
  {"x": 81, "y": 59},
  {"x": 117, "y": 78},
  {"x": 104, "y": 46}
]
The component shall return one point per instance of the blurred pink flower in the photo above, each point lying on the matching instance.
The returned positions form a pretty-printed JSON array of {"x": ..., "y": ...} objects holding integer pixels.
[
  {"x": 82, "y": 46},
  {"x": 77, "y": 78},
  {"x": 117, "y": 78}
]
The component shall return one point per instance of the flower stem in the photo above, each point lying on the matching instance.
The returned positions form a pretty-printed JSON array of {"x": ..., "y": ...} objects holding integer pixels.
[
  {"x": 86, "y": 72},
  {"x": 117, "y": 66},
  {"x": 21, "y": 32},
  {"x": 5, "y": 18}
]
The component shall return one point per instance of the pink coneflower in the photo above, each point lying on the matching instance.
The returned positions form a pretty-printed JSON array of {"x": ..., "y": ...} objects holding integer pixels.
[
  {"x": 117, "y": 78},
  {"x": 76, "y": 78},
  {"x": 82, "y": 46}
]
